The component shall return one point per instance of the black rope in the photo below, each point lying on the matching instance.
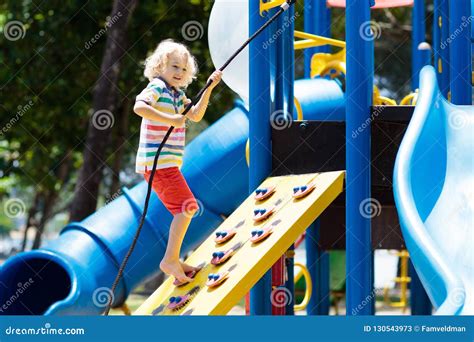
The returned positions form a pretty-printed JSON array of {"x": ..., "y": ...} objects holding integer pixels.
[{"x": 196, "y": 99}]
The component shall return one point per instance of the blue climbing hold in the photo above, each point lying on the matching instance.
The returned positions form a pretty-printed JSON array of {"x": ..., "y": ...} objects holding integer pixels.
[
  {"x": 264, "y": 191},
  {"x": 296, "y": 189},
  {"x": 220, "y": 254},
  {"x": 258, "y": 191},
  {"x": 254, "y": 232},
  {"x": 260, "y": 232},
  {"x": 304, "y": 187},
  {"x": 256, "y": 211},
  {"x": 172, "y": 299},
  {"x": 215, "y": 254},
  {"x": 224, "y": 234},
  {"x": 216, "y": 276}
]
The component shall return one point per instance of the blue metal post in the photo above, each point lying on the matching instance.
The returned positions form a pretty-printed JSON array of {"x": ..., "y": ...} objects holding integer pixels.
[
  {"x": 317, "y": 20},
  {"x": 442, "y": 58},
  {"x": 460, "y": 51},
  {"x": 260, "y": 108},
  {"x": 418, "y": 36},
  {"x": 359, "y": 89},
  {"x": 317, "y": 262},
  {"x": 419, "y": 301}
]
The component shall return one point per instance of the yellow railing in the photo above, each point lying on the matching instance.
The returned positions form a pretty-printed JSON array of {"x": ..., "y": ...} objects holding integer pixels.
[
  {"x": 403, "y": 280},
  {"x": 309, "y": 286}
]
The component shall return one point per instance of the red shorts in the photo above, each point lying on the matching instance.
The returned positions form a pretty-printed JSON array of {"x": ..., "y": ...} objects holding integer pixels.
[{"x": 173, "y": 191}]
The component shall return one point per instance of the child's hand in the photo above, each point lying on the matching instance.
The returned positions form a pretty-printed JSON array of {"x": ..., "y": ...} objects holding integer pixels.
[
  {"x": 179, "y": 120},
  {"x": 186, "y": 101},
  {"x": 215, "y": 78}
]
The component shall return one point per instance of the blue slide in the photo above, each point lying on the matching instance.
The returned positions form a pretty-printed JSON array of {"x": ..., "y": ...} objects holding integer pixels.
[
  {"x": 434, "y": 194},
  {"x": 73, "y": 274}
]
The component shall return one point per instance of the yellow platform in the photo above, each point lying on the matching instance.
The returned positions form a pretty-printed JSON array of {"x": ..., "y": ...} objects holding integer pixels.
[{"x": 251, "y": 261}]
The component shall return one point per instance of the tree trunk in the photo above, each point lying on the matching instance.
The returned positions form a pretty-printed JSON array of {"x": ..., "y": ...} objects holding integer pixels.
[
  {"x": 30, "y": 221},
  {"x": 118, "y": 146},
  {"x": 50, "y": 197},
  {"x": 103, "y": 103},
  {"x": 49, "y": 200}
]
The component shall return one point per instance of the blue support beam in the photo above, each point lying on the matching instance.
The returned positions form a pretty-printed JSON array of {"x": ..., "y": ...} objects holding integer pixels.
[
  {"x": 460, "y": 51},
  {"x": 418, "y": 37},
  {"x": 419, "y": 301},
  {"x": 359, "y": 89},
  {"x": 317, "y": 20},
  {"x": 260, "y": 109},
  {"x": 440, "y": 46},
  {"x": 317, "y": 262}
]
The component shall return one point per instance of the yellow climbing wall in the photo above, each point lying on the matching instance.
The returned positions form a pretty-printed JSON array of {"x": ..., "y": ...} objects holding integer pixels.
[{"x": 250, "y": 261}]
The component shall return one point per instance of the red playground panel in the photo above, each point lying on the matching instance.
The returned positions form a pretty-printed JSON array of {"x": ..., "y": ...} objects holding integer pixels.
[{"x": 378, "y": 3}]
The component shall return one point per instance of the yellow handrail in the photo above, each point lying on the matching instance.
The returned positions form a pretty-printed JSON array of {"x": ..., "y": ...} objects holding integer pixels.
[
  {"x": 410, "y": 99},
  {"x": 265, "y": 6},
  {"x": 380, "y": 100},
  {"x": 311, "y": 40},
  {"x": 403, "y": 280},
  {"x": 309, "y": 286}
]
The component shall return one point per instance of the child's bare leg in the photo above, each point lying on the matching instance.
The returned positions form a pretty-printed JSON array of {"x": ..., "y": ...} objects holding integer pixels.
[{"x": 170, "y": 263}]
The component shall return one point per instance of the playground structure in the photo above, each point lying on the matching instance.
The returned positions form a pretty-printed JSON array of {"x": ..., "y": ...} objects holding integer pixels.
[{"x": 84, "y": 260}]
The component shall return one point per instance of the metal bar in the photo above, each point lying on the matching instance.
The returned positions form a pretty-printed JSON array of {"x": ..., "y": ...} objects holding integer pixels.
[{"x": 359, "y": 89}]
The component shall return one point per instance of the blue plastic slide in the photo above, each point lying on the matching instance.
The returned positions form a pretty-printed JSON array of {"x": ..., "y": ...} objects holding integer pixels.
[
  {"x": 434, "y": 194},
  {"x": 73, "y": 274}
]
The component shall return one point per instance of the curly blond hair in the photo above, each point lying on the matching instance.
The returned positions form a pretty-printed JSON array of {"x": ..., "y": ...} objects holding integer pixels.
[{"x": 156, "y": 63}]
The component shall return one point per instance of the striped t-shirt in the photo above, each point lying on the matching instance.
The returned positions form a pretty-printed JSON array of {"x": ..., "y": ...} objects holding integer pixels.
[{"x": 165, "y": 99}]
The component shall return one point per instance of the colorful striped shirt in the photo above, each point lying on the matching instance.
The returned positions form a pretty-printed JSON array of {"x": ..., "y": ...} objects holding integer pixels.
[{"x": 166, "y": 99}]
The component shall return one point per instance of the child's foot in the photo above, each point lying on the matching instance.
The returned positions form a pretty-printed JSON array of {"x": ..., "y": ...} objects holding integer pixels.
[
  {"x": 188, "y": 268},
  {"x": 175, "y": 270}
]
